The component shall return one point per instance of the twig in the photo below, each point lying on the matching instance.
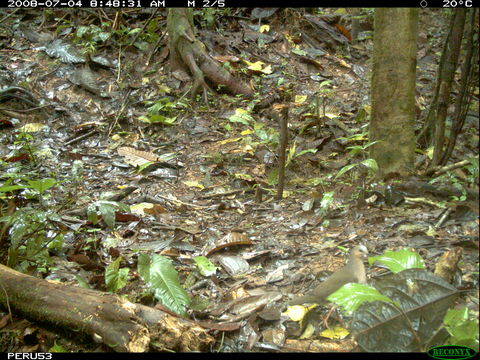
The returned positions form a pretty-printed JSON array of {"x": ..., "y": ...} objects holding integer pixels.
[
  {"x": 7, "y": 16},
  {"x": 81, "y": 137},
  {"x": 443, "y": 218}
]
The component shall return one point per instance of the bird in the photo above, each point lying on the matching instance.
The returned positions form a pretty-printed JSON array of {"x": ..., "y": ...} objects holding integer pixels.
[{"x": 353, "y": 271}]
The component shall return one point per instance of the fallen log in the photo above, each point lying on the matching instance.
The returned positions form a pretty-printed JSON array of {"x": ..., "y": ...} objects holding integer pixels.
[{"x": 108, "y": 318}]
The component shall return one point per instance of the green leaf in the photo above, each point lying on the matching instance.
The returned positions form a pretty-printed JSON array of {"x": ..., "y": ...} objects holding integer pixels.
[
  {"x": 9, "y": 188},
  {"x": 327, "y": 200},
  {"x": 42, "y": 185},
  {"x": 397, "y": 261},
  {"x": 116, "y": 278},
  {"x": 82, "y": 30},
  {"x": 371, "y": 164},
  {"x": 57, "y": 348},
  {"x": 345, "y": 169},
  {"x": 158, "y": 119},
  {"x": 299, "y": 52},
  {"x": 92, "y": 214},
  {"x": 82, "y": 282},
  {"x": 107, "y": 209},
  {"x": 300, "y": 153},
  {"x": 241, "y": 116},
  {"x": 205, "y": 266},
  {"x": 351, "y": 296},
  {"x": 162, "y": 279}
]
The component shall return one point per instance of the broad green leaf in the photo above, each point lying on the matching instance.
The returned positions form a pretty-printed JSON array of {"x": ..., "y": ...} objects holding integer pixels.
[
  {"x": 42, "y": 185},
  {"x": 371, "y": 164},
  {"x": 162, "y": 279},
  {"x": 397, "y": 261},
  {"x": 351, "y": 296}
]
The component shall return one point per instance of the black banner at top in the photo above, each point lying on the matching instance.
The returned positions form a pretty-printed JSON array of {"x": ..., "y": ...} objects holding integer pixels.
[{"x": 238, "y": 3}]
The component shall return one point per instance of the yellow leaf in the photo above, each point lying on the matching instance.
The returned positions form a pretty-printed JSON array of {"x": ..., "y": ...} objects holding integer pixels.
[
  {"x": 240, "y": 111},
  {"x": 227, "y": 141},
  {"x": 247, "y": 132},
  {"x": 300, "y": 99},
  {"x": 297, "y": 312},
  {"x": 194, "y": 184},
  {"x": 267, "y": 70},
  {"x": 32, "y": 127},
  {"x": 335, "y": 333},
  {"x": 139, "y": 209},
  {"x": 256, "y": 66},
  {"x": 344, "y": 64},
  {"x": 248, "y": 149},
  {"x": 264, "y": 29},
  {"x": 308, "y": 332}
]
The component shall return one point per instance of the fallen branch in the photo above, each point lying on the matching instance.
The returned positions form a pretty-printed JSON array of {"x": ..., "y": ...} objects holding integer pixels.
[{"x": 108, "y": 318}]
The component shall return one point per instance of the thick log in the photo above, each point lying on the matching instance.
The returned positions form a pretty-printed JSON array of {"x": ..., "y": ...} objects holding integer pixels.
[{"x": 120, "y": 324}]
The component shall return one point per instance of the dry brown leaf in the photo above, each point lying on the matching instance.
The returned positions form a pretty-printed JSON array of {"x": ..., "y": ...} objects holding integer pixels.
[{"x": 136, "y": 157}]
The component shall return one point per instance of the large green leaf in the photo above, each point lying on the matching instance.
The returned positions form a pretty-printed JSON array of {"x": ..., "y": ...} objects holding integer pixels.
[
  {"x": 42, "y": 185},
  {"x": 397, "y": 261},
  {"x": 351, "y": 296},
  {"x": 162, "y": 279}
]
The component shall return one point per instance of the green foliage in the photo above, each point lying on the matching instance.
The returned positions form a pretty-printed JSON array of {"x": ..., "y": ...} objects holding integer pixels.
[
  {"x": 32, "y": 231},
  {"x": 106, "y": 209},
  {"x": 326, "y": 201},
  {"x": 116, "y": 278},
  {"x": 356, "y": 150},
  {"x": 205, "y": 266},
  {"x": 460, "y": 324},
  {"x": 462, "y": 327},
  {"x": 397, "y": 261},
  {"x": 267, "y": 136},
  {"x": 472, "y": 169},
  {"x": 207, "y": 16},
  {"x": 241, "y": 116},
  {"x": 292, "y": 153},
  {"x": 90, "y": 37},
  {"x": 371, "y": 164},
  {"x": 162, "y": 280},
  {"x": 24, "y": 143},
  {"x": 57, "y": 348},
  {"x": 450, "y": 178},
  {"x": 161, "y": 111},
  {"x": 32, "y": 234},
  {"x": 350, "y": 296}
]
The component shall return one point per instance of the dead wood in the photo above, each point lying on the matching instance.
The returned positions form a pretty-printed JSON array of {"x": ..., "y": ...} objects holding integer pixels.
[{"x": 120, "y": 324}]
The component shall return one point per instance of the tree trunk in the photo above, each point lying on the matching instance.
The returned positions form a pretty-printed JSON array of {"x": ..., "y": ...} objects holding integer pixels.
[
  {"x": 393, "y": 90},
  {"x": 467, "y": 83},
  {"x": 189, "y": 54},
  {"x": 118, "y": 323},
  {"x": 445, "y": 79}
]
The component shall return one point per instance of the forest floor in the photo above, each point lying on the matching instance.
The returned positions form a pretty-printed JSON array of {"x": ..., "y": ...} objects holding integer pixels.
[{"x": 121, "y": 120}]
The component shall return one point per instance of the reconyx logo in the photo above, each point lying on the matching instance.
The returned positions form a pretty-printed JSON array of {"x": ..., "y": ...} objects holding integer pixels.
[{"x": 456, "y": 352}]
